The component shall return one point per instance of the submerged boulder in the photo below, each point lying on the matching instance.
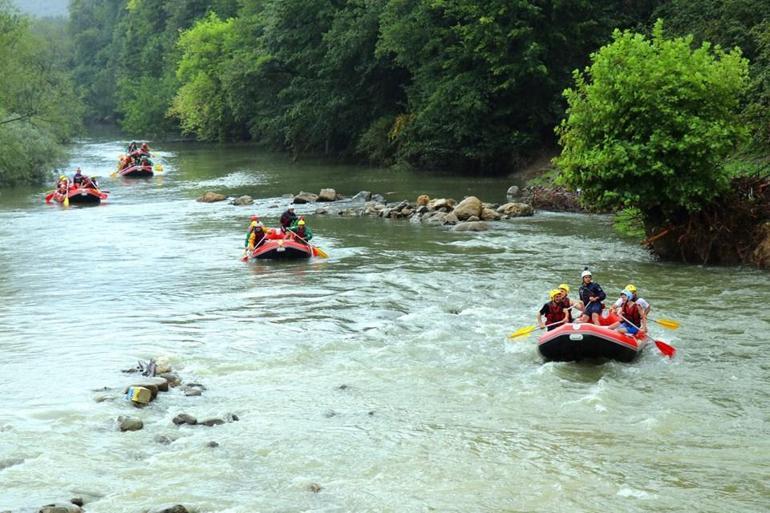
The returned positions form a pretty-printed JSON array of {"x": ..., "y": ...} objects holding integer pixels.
[
  {"x": 516, "y": 209},
  {"x": 211, "y": 197}
]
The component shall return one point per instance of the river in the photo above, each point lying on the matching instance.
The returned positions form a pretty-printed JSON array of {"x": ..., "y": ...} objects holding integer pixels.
[{"x": 381, "y": 375}]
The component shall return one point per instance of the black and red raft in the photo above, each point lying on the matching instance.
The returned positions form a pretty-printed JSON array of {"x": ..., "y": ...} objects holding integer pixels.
[{"x": 584, "y": 341}]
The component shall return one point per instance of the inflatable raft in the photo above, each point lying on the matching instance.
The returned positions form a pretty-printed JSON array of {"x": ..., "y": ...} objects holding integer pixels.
[
  {"x": 584, "y": 341},
  {"x": 137, "y": 171},
  {"x": 81, "y": 196},
  {"x": 282, "y": 249}
]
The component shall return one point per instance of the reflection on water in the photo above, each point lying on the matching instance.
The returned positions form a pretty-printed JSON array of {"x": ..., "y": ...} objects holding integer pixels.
[{"x": 382, "y": 373}]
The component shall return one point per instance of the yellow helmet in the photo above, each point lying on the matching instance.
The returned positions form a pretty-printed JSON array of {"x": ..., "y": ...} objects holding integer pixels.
[
  {"x": 555, "y": 292},
  {"x": 253, "y": 224},
  {"x": 62, "y": 177},
  {"x": 630, "y": 287},
  {"x": 301, "y": 222},
  {"x": 564, "y": 287}
]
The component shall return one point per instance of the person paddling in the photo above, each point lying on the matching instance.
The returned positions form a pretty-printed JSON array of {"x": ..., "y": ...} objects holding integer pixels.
[
  {"x": 255, "y": 235},
  {"x": 554, "y": 311},
  {"x": 567, "y": 303},
  {"x": 77, "y": 178},
  {"x": 288, "y": 218},
  {"x": 302, "y": 231},
  {"x": 639, "y": 301},
  {"x": 591, "y": 295},
  {"x": 632, "y": 315}
]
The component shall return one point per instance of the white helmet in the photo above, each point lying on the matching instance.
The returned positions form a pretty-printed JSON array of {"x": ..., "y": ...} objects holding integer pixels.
[{"x": 585, "y": 273}]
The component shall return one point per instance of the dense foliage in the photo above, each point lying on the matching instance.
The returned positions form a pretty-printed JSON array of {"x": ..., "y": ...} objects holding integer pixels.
[
  {"x": 38, "y": 107},
  {"x": 458, "y": 84},
  {"x": 651, "y": 123}
]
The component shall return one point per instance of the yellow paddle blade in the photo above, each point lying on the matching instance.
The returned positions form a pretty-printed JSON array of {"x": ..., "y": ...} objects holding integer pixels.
[
  {"x": 321, "y": 253},
  {"x": 159, "y": 168},
  {"x": 521, "y": 332},
  {"x": 667, "y": 323},
  {"x": 66, "y": 201}
]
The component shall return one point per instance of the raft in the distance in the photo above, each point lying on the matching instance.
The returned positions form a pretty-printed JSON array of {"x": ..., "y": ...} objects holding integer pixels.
[
  {"x": 584, "y": 341},
  {"x": 137, "y": 171}
]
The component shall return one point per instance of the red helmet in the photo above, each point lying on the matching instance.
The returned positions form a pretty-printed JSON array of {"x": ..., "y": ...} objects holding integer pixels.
[{"x": 255, "y": 218}]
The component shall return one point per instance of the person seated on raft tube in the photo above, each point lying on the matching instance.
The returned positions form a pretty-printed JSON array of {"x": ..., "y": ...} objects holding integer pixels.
[
  {"x": 554, "y": 311},
  {"x": 592, "y": 295},
  {"x": 567, "y": 303},
  {"x": 256, "y": 234},
  {"x": 632, "y": 315},
  {"x": 300, "y": 231},
  {"x": 63, "y": 185},
  {"x": 77, "y": 178},
  {"x": 89, "y": 183},
  {"x": 288, "y": 218},
  {"x": 639, "y": 301},
  {"x": 132, "y": 147}
]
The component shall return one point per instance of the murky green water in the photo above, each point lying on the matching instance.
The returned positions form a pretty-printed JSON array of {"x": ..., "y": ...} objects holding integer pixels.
[{"x": 439, "y": 411}]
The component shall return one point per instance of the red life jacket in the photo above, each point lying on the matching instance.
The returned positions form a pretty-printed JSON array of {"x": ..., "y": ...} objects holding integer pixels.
[
  {"x": 565, "y": 304},
  {"x": 555, "y": 313},
  {"x": 631, "y": 313}
]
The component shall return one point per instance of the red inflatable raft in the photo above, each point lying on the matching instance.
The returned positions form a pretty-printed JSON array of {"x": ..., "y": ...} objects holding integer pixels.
[
  {"x": 276, "y": 245},
  {"x": 136, "y": 171},
  {"x": 583, "y": 341},
  {"x": 79, "y": 195}
]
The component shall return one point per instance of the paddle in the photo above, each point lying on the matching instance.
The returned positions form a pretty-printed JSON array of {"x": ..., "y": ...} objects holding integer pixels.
[
  {"x": 315, "y": 249},
  {"x": 666, "y": 323},
  {"x": 522, "y": 332},
  {"x": 666, "y": 349}
]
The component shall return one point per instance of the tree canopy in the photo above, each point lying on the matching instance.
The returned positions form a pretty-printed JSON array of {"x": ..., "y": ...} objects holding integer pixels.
[{"x": 651, "y": 122}]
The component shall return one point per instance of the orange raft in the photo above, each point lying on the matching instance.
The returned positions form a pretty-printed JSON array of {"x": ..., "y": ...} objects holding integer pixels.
[
  {"x": 278, "y": 246},
  {"x": 584, "y": 341}
]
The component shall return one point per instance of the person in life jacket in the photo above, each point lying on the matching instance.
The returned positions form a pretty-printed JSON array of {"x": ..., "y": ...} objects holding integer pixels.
[
  {"x": 131, "y": 147},
  {"x": 591, "y": 295},
  {"x": 632, "y": 315},
  {"x": 256, "y": 234},
  {"x": 145, "y": 148},
  {"x": 554, "y": 311},
  {"x": 288, "y": 218},
  {"x": 639, "y": 301},
  {"x": 567, "y": 303},
  {"x": 77, "y": 178},
  {"x": 89, "y": 183},
  {"x": 301, "y": 230},
  {"x": 62, "y": 186}
]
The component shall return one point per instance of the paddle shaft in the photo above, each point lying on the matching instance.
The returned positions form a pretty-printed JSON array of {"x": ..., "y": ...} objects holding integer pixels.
[
  {"x": 303, "y": 240},
  {"x": 664, "y": 348}
]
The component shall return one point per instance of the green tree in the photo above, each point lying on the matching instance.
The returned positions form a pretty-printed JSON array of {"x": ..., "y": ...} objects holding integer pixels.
[{"x": 650, "y": 124}]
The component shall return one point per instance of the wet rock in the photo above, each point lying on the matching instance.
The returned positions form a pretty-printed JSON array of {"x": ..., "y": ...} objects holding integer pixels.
[
  {"x": 473, "y": 219},
  {"x": 10, "y": 462},
  {"x": 450, "y": 218},
  {"x": 467, "y": 208},
  {"x": 371, "y": 413},
  {"x": 242, "y": 200},
  {"x": 314, "y": 487},
  {"x": 178, "y": 508},
  {"x": 232, "y": 417},
  {"x": 305, "y": 197},
  {"x": 172, "y": 379},
  {"x": 163, "y": 439},
  {"x": 343, "y": 387},
  {"x": 184, "y": 418},
  {"x": 212, "y": 422},
  {"x": 321, "y": 211},
  {"x": 516, "y": 209},
  {"x": 471, "y": 226},
  {"x": 378, "y": 198},
  {"x": 512, "y": 191},
  {"x": 327, "y": 195},
  {"x": 162, "y": 365},
  {"x": 193, "y": 392},
  {"x": 436, "y": 217},
  {"x": 488, "y": 214},
  {"x": 60, "y": 508},
  {"x": 212, "y": 444},
  {"x": 211, "y": 197},
  {"x": 361, "y": 197},
  {"x": 422, "y": 200},
  {"x": 77, "y": 501},
  {"x": 102, "y": 398},
  {"x": 339, "y": 196},
  {"x": 129, "y": 423},
  {"x": 761, "y": 254},
  {"x": 330, "y": 413}
]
